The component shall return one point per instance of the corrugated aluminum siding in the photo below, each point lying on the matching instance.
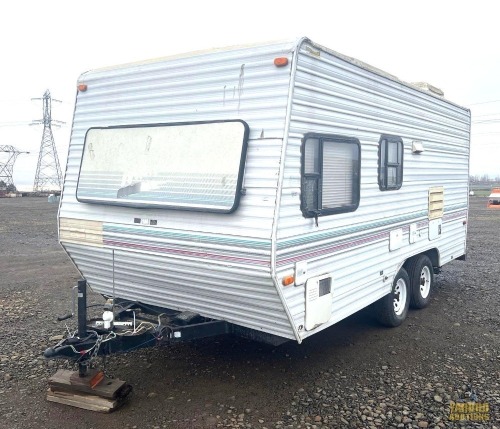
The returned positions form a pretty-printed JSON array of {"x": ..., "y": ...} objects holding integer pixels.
[
  {"x": 333, "y": 95},
  {"x": 214, "y": 264}
]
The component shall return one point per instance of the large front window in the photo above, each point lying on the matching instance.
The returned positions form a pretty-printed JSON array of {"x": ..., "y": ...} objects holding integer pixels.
[
  {"x": 193, "y": 166},
  {"x": 330, "y": 175}
]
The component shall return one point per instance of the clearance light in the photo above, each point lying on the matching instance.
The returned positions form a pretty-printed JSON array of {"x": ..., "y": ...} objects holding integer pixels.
[
  {"x": 288, "y": 280},
  {"x": 82, "y": 87},
  {"x": 281, "y": 61}
]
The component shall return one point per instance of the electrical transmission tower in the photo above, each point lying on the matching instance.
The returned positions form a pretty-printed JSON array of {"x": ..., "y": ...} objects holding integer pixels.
[
  {"x": 48, "y": 171},
  {"x": 7, "y": 167}
]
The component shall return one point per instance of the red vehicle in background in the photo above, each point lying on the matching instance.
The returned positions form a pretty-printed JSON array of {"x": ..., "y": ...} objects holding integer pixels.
[{"x": 494, "y": 199}]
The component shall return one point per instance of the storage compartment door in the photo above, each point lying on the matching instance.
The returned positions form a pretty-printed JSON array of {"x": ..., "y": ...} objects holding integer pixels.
[{"x": 319, "y": 298}]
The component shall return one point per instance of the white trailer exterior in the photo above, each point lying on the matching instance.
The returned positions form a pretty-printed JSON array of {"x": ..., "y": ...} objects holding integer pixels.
[{"x": 346, "y": 174}]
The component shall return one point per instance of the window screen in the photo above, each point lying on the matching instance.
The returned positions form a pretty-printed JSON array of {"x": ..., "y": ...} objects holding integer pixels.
[
  {"x": 330, "y": 175},
  {"x": 390, "y": 175},
  {"x": 190, "y": 166}
]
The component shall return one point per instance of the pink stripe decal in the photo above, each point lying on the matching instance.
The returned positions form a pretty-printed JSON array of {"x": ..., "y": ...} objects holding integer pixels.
[
  {"x": 369, "y": 239},
  {"x": 335, "y": 248},
  {"x": 457, "y": 215},
  {"x": 190, "y": 253},
  {"x": 330, "y": 249}
]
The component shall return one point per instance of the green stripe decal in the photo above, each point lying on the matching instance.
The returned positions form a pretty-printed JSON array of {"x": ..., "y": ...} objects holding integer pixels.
[
  {"x": 194, "y": 237},
  {"x": 296, "y": 240}
]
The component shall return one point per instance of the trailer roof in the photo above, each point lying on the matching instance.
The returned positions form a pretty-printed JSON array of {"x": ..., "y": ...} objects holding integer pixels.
[
  {"x": 424, "y": 87},
  {"x": 290, "y": 46},
  {"x": 287, "y": 45}
]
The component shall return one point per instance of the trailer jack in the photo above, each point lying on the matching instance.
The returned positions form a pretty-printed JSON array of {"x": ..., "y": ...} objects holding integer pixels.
[{"x": 125, "y": 326}]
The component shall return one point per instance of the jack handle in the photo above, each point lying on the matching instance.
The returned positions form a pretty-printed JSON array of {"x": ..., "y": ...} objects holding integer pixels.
[{"x": 70, "y": 315}]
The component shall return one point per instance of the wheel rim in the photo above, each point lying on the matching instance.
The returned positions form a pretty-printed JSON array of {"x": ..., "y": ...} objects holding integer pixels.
[
  {"x": 425, "y": 282},
  {"x": 400, "y": 292}
]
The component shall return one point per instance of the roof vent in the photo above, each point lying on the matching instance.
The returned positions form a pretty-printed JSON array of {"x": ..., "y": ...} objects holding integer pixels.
[{"x": 428, "y": 87}]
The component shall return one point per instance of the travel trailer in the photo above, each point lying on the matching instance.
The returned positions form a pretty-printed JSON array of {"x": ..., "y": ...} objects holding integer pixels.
[{"x": 268, "y": 191}]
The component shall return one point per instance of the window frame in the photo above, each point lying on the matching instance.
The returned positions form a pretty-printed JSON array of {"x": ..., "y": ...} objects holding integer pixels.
[
  {"x": 166, "y": 205},
  {"x": 356, "y": 183},
  {"x": 383, "y": 165}
]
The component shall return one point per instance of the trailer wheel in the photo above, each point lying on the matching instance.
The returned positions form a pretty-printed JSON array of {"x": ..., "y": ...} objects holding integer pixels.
[
  {"x": 421, "y": 275},
  {"x": 392, "y": 309}
]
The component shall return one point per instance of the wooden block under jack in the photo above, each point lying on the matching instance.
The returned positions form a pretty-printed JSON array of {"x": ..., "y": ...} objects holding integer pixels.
[
  {"x": 82, "y": 400},
  {"x": 93, "y": 392}
]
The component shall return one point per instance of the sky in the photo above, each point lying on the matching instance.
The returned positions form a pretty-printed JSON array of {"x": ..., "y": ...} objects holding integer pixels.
[{"x": 46, "y": 45}]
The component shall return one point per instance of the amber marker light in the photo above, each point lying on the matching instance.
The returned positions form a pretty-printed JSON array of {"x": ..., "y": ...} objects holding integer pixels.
[
  {"x": 82, "y": 87},
  {"x": 288, "y": 280},
  {"x": 281, "y": 61}
]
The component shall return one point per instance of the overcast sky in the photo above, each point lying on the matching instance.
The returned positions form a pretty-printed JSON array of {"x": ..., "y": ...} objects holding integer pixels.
[{"x": 47, "y": 45}]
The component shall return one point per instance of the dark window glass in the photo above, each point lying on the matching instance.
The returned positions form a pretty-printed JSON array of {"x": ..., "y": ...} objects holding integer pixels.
[
  {"x": 330, "y": 175},
  {"x": 390, "y": 174}
]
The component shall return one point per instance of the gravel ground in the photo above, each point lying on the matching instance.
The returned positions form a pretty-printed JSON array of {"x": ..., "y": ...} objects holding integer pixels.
[{"x": 353, "y": 375}]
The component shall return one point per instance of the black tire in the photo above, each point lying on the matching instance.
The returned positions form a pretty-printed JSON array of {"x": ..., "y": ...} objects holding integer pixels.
[
  {"x": 421, "y": 273},
  {"x": 392, "y": 309}
]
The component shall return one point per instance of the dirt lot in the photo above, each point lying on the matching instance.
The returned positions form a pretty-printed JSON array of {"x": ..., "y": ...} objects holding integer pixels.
[{"x": 356, "y": 374}]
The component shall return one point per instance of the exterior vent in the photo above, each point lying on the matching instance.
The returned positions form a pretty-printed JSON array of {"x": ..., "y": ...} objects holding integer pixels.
[
  {"x": 436, "y": 202},
  {"x": 429, "y": 88}
]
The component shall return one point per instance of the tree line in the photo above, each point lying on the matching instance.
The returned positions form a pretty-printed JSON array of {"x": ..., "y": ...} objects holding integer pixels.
[{"x": 484, "y": 178}]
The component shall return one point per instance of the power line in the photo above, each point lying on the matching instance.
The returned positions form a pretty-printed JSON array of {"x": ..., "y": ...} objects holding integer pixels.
[
  {"x": 14, "y": 123},
  {"x": 487, "y": 121},
  {"x": 486, "y": 114},
  {"x": 11, "y": 101},
  {"x": 484, "y": 102},
  {"x": 486, "y": 133}
]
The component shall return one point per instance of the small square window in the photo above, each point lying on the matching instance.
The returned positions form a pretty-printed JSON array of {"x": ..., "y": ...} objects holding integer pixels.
[{"x": 390, "y": 174}]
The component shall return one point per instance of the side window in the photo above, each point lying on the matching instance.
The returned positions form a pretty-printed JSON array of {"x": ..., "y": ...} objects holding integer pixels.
[
  {"x": 390, "y": 163},
  {"x": 330, "y": 175}
]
